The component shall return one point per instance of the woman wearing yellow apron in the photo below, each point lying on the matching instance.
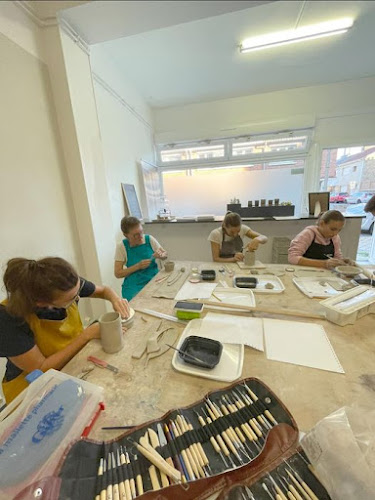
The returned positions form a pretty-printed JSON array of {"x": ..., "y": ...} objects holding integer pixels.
[{"x": 40, "y": 326}]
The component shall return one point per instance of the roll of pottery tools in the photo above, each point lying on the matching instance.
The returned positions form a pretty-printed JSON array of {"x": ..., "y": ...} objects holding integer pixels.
[{"x": 218, "y": 436}]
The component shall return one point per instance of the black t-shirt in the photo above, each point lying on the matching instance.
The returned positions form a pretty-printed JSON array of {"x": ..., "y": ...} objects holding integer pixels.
[{"x": 16, "y": 337}]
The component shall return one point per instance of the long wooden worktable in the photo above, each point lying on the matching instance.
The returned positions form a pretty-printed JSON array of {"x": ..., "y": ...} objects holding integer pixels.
[{"x": 143, "y": 392}]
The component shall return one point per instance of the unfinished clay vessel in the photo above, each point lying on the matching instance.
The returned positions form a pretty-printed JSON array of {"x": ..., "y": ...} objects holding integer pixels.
[
  {"x": 111, "y": 335},
  {"x": 249, "y": 258},
  {"x": 169, "y": 266}
]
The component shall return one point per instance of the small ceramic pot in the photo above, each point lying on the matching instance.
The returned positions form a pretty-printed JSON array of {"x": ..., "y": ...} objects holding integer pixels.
[
  {"x": 169, "y": 266},
  {"x": 249, "y": 258}
]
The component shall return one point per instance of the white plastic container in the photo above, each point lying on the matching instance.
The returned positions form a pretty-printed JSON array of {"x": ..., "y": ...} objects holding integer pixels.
[
  {"x": 349, "y": 306},
  {"x": 37, "y": 427}
]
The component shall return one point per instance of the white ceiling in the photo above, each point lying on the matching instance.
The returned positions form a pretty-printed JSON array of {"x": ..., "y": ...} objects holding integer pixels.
[
  {"x": 100, "y": 21},
  {"x": 199, "y": 60},
  {"x": 46, "y": 10}
]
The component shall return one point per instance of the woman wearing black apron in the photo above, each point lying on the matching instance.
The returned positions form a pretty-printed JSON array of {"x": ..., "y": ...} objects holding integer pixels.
[
  {"x": 227, "y": 241},
  {"x": 320, "y": 245}
]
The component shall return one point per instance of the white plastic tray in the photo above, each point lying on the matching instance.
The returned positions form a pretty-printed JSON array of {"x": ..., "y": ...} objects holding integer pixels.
[
  {"x": 349, "y": 306},
  {"x": 235, "y": 296},
  {"x": 301, "y": 271},
  {"x": 263, "y": 279},
  {"x": 229, "y": 367},
  {"x": 312, "y": 286}
]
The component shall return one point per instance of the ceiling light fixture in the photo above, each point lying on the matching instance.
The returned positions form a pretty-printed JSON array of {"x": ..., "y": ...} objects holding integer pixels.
[{"x": 314, "y": 31}]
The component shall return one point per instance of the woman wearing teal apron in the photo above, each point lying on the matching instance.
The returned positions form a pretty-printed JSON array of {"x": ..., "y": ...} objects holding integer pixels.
[{"x": 138, "y": 253}]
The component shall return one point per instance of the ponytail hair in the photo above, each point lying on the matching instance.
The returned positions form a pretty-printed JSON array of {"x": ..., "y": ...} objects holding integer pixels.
[
  {"x": 232, "y": 219},
  {"x": 30, "y": 281},
  {"x": 331, "y": 215}
]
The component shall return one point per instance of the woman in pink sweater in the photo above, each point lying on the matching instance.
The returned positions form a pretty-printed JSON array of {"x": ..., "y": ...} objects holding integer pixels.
[{"x": 320, "y": 245}]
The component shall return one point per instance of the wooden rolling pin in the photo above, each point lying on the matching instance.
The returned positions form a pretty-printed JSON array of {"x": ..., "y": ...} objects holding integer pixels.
[{"x": 267, "y": 310}]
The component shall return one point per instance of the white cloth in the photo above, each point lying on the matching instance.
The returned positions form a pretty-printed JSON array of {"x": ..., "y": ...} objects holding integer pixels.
[
  {"x": 217, "y": 234},
  {"x": 121, "y": 254}
]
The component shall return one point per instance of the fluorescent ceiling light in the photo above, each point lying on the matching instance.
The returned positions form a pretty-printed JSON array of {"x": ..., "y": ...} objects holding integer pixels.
[{"x": 311, "y": 32}]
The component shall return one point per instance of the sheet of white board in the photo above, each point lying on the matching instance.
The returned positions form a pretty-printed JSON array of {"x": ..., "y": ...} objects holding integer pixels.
[
  {"x": 231, "y": 329},
  {"x": 195, "y": 291},
  {"x": 300, "y": 343}
]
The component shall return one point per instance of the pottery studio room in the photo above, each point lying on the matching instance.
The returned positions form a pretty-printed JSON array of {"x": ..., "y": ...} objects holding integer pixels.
[{"x": 187, "y": 296}]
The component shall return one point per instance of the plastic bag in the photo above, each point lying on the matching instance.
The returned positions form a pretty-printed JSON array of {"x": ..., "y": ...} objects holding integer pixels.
[
  {"x": 51, "y": 412},
  {"x": 341, "y": 448}
]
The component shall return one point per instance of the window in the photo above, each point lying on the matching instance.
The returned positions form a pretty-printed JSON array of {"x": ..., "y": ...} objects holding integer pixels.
[
  {"x": 352, "y": 172},
  {"x": 348, "y": 169},
  {"x": 209, "y": 190},
  {"x": 192, "y": 153},
  {"x": 279, "y": 145},
  {"x": 202, "y": 176},
  {"x": 271, "y": 145}
]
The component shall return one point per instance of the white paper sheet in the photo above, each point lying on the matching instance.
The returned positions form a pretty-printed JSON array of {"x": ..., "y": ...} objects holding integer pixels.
[
  {"x": 300, "y": 343},
  {"x": 231, "y": 329},
  {"x": 195, "y": 291}
]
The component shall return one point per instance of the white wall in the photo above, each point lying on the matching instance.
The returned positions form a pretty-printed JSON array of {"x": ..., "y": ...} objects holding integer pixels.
[
  {"x": 341, "y": 112},
  {"x": 127, "y": 136},
  {"x": 35, "y": 210}
]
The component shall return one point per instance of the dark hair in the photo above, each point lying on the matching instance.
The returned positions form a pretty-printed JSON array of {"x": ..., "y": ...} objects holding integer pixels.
[
  {"x": 127, "y": 223},
  {"x": 370, "y": 205},
  {"x": 331, "y": 215},
  {"x": 30, "y": 281},
  {"x": 232, "y": 219}
]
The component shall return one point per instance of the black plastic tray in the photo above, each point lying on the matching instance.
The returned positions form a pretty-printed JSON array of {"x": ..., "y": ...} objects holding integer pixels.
[
  {"x": 207, "y": 350},
  {"x": 208, "y": 274},
  {"x": 245, "y": 282}
]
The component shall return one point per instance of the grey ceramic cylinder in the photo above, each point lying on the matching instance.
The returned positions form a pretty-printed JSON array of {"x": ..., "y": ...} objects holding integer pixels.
[
  {"x": 249, "y": 258},
  {"x": 169, "y": 266},
  {"x": 111, "y": 332}
]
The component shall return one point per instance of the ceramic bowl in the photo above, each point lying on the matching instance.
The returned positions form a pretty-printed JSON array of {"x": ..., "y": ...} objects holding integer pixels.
[
  {"x": 129, "y": 321},
  {"x": 348, "y": 270}
]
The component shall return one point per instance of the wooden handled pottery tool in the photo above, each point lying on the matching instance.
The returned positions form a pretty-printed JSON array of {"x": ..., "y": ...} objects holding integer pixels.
[{"x": 102, "y": 364}]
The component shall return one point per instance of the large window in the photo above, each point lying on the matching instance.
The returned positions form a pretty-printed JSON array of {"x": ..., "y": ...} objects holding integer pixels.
[
  {"x": 202, "y": 177},
  {"x": 348, "y": 170},
  {"x": 208, "y": 190},
  {"x": 349, "y": 175}
]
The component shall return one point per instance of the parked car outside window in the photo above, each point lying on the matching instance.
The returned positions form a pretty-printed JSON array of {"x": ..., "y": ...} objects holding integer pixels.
[
  {"x": 338, "y": 197},
  {"x": 368, "y": 219},
  {"x": 359, "y": 197}
]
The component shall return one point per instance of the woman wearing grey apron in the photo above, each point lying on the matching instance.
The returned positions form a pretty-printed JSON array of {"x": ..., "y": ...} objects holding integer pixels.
[{"x": 227, "y": 242}]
